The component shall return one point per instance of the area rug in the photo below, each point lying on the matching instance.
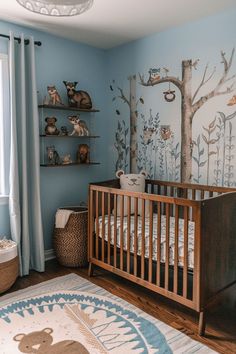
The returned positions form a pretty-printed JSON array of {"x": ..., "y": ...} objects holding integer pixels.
[{"x": 70, "y": 315}]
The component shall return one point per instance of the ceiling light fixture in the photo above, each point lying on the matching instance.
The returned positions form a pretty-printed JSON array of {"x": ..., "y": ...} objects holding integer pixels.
[{"x": 57, "y": 7}]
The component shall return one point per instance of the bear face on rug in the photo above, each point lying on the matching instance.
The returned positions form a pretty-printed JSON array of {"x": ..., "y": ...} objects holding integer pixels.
[{"x": 40, "y": 342}]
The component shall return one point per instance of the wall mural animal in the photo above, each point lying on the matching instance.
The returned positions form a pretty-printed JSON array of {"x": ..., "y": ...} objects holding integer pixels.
[{"x": 191, "y": 102}]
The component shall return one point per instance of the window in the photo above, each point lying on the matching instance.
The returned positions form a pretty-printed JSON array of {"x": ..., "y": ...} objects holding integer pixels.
[{"x": 4, "y": 127}]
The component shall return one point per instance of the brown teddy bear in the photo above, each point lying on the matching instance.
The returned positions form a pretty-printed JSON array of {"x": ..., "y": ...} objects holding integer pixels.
[
  {"x": 40, "y": 342},
  {"x": 83, "y": 154},
  {"x": 51, "y": 128}
]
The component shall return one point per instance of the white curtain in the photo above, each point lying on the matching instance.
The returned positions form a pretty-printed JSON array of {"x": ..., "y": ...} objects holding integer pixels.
[{"x": 24, "y": 181}]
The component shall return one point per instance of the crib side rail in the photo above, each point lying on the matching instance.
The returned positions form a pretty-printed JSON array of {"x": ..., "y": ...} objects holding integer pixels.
[
  {"x": 218, "y": 246},
  {"x": 150, "y": 254},
  {"x": 185, "y": 190}
]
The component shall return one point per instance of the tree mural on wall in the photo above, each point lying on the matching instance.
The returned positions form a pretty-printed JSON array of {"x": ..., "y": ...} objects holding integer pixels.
[
  {"x": 132, "y": 103},
  {"x": 190, "y": 103}
]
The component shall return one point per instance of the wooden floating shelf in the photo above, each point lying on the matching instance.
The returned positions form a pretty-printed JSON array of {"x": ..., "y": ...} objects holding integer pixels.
[
  {"x": 69, "y": 136},
  {"x": 71, "y": 164},
  {"x": 68, "y": 108}
]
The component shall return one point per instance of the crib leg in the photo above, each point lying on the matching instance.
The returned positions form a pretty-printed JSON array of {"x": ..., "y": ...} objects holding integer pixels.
[
  {"x": 202, "y": 323},
  {"x": 90, "y": 270}
]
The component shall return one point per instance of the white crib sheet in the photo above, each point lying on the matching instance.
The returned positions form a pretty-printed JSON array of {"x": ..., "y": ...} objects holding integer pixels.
[{"x": 191, "y": 227}]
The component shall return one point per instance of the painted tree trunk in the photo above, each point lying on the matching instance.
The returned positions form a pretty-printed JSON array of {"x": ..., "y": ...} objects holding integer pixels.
[
  {"x": 186, "y": 124},
  {"x": 133, "y": 125}
]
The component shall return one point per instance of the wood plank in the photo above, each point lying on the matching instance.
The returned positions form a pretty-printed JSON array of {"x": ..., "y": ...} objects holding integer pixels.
[
  {"x": 135, "y": 236},
  {"x": 176, "y": 251},
  {"x": 103, "y": 226},
  {"x": 167, "y": 248},
  {"x": 150, "y": 242},
  {"x": 115, "y": 231},
  {"x": 109, "y": 228},
  {"x": 97, "y": 223},
  {"x": 158, "y": 274},
  {"x": 91, "y": 225},
  {"x": 122, "y": 233},
  {"x": 143, "y": 241},
  {"x": 67, "y": 108},
  {"x": 185, "y": 268},
  {"x": 128, "y": 232}
]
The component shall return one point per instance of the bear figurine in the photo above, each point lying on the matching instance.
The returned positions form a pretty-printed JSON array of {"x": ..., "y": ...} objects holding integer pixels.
[
  {"x": 40, "y": 342},
  {"x": 83, "y": 154},
  {"x": 51, "y": 128}
]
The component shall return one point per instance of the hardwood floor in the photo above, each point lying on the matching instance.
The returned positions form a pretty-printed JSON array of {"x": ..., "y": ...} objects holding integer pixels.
[{"x": 221, "y": 321}]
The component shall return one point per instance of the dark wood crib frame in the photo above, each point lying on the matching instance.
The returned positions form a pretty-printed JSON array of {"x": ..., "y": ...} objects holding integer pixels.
[{"x": 213, "y": 209}]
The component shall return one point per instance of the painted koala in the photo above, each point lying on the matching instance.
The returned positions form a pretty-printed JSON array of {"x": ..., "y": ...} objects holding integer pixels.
[
  {"x": 154, "y": 75},
  {"x": 40, "y": 342}
]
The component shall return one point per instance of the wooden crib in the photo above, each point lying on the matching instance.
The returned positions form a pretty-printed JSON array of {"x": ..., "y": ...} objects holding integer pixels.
[{"x": 146, "y": 249}]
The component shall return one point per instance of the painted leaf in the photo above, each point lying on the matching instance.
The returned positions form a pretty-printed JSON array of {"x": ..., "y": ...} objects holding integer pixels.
[
  {"x": 204, "y": 138},
  {"x": 113, "y": 99},
  {"x": 141, "y": 100},
  {"x": 211, "y": 125},
  {"x": 117, "y": 112},
  {"x": 202, "y": 164},
  {"x": 195, "y": 159},
  {"x": 212, "y": 153},
  {"x": 201, "y": 152},
  {"x": 198, "y": 139}
]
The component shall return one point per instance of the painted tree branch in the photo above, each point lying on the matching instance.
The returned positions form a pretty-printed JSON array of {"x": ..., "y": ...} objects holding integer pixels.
[
  {"x": 216, "y": 91},
  {"x": 172, "y": 79},
  {"x": 122, "y": 97},
  {"x": 203, "y": 81}
]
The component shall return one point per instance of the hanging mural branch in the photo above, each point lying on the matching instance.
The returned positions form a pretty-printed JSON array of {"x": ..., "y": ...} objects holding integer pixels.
[
  {"x": 204, "y": 81},
  {"x": 223, "y": 80},
  {"x": 122, "y": 97},
  {"x": 188, "y": 106}
]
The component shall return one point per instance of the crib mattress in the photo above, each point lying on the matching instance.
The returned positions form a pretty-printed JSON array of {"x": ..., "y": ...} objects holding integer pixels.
[{"x": 155, "y": 256}]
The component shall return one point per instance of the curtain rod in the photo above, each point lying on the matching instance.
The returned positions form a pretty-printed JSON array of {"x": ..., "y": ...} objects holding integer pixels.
[{"x": 38, "y": 43}]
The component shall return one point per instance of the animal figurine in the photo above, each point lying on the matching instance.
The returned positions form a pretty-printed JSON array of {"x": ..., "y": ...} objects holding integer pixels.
[
  {"x": 55, "y": 98},
  {"x": 80, "y": 99},
  {"x": 66, "y": 160},
  {"x": 51, "y": 128},
  {"x": 53, "y": 157},
  {"x": 83, "y": 154},
  {"x": 232, "y": 101},
  {"x": 80, "y": 127},
  {"x": 64, "y": 131},
  {"x": 40, "y": 342},
  {"x": 154, "y": 75}
]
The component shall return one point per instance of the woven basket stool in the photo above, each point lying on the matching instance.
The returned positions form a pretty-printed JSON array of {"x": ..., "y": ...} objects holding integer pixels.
[
  {"x": 70, "y": 243},
  {"x": 9, "y": 267}
]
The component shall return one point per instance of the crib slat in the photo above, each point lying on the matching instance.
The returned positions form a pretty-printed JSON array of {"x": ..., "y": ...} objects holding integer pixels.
[
  {"x": 167, "y": 246},
  {"x": 103, "y": 226},
  {"x": 193, "y": 194},
  {"x": 185, "y": 270},
  {"x": 150, "y": 241},
  {"x": 122, "y": 233},
  {"x": 158, "y": 274},
  {"x": 176, "y": 255},
  {"x": 210, "y": 194},
  {"x": 91, "y": 226},
  {"x": 109, "y": 229},
  {"x": 135, "y": 235},
  {"x": 115, "y": 230},
  {"x": 202, "y": 194},
  {"x": 97, "y": 223},
  {"x": 128, "y": 232},
  {"x": 143, "y": 241}
]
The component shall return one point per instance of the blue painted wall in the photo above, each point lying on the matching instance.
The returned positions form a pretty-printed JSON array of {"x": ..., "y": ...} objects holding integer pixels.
[
  {"x": 201, "y": 40},
  {"x": 57, "y": 60}
]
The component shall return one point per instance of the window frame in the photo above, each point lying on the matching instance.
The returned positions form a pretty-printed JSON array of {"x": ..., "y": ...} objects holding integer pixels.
[{"x": 4, "y": 127}]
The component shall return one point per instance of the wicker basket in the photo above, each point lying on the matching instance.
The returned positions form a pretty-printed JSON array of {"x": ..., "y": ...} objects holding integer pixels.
[
  {"x": 9, "y": 265},
  {"x": 70, "y": 243}
]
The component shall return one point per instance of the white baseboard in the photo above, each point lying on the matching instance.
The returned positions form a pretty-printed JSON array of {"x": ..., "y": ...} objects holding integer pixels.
[{"x": 49, "y": 254}]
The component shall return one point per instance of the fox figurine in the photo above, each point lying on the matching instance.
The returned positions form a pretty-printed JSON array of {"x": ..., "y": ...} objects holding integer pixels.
[{"x": 80, "y": 99}]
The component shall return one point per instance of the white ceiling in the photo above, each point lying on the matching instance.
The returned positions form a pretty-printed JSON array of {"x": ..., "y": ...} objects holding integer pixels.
[{"x": 113, "y": 22}]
